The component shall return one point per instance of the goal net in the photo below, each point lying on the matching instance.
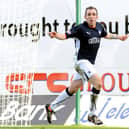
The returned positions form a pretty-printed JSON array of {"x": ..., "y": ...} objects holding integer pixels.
[{"x": 18, "y": 41}]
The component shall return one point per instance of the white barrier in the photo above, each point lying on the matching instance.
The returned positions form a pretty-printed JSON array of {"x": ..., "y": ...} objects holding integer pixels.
[{"x": 28, "y": 29}]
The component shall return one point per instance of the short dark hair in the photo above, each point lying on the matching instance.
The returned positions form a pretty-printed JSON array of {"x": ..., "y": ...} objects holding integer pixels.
[{"x": 91, "y": 7}]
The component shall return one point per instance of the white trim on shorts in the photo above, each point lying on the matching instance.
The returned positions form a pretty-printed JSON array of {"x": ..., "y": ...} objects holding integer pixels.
[{"x": 84, "y": 70}]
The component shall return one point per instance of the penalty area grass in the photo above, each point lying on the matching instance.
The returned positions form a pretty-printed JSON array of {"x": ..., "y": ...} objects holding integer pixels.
[{"x": 65, "y": 127}]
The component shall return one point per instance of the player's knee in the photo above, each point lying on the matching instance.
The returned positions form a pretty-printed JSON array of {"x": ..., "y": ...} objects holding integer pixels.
[
  {"x": 75, "y": 85},
  {"x": 73, "y": 90},
  {"x": 99, "y": 86}
]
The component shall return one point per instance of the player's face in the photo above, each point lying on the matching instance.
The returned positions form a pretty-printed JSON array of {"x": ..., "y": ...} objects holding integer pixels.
[{"x": 91, "y": 17}]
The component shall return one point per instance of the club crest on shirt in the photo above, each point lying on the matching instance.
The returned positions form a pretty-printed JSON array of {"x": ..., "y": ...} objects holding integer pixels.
[{"x": 88, "y": 33}]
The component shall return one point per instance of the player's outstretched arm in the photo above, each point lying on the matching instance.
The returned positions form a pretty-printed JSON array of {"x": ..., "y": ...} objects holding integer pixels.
[
  {"x": 115, "y": 36},
  {"x": 56, "y": 35}
]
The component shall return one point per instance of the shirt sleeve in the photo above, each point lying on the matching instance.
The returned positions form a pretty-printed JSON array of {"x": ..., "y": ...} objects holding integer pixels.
[
  {"x": 104, "y": 31},
  {"x": 73, "y": 33}
]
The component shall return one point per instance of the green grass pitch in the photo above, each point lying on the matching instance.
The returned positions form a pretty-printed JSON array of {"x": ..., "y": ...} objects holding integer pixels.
[{"x": 65, "y": 127}]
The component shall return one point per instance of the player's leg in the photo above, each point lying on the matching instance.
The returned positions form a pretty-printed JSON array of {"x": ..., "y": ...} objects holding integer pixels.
[
  {"x": 96, "y": 81},
  {"x": 88, "y": 72},
  {"x": 67, "y": 93}
]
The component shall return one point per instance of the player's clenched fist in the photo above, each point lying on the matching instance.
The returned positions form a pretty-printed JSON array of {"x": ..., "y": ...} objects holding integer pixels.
[{"x": 52, "y": 34}]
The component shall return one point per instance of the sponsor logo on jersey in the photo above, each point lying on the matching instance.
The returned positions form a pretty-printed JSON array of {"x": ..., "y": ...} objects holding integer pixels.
[{"x": 94, "y": 40}]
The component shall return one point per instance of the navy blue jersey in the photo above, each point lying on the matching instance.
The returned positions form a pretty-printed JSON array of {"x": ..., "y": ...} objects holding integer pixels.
[{"x": 89, "y": 40}]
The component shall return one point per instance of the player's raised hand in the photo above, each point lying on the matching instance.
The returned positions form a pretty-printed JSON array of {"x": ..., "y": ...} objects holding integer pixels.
[{"x": 52, "y": 34}]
